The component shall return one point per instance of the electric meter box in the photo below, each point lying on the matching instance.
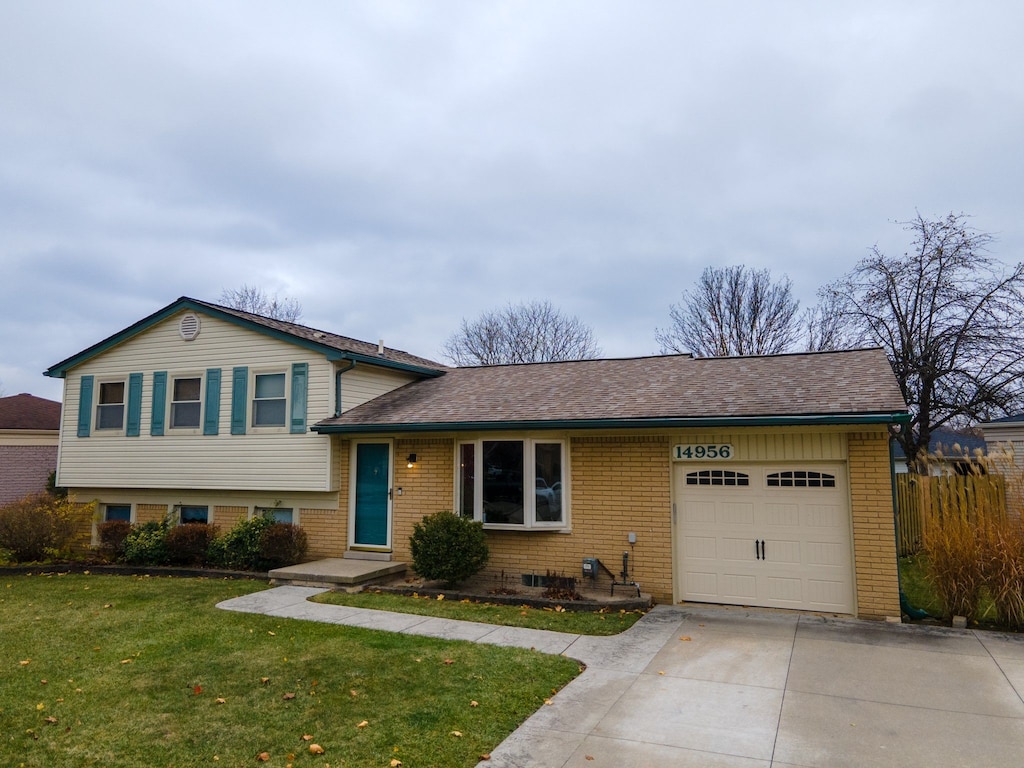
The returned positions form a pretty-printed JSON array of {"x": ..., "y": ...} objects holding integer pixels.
[{"x": 590, "y": 567}]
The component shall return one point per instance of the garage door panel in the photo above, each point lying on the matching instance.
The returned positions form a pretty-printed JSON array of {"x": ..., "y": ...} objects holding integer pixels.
[
  {"x": 782, "y": 515},
  {"x": 799, "y": 512},
  {"x": 701, "y": 547},
  {"x": 736, "y": 513},
  {"x": 699, "y": 512}
]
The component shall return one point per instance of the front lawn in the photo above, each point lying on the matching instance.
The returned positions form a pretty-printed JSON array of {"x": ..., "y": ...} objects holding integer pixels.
[
  {"x": 604, "y": 622},
  {"x": 137, "y": 671}
]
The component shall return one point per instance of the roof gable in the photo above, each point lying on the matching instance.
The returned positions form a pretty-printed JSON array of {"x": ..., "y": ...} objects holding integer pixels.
[
  {"x": 26, "y": 411},
  {"x": 331, "y": 345},
  {"x": 854, "y": 386}
]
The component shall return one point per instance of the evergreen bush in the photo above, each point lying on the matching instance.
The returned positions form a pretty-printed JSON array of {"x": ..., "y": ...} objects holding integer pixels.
[
  {"x": 146, "y": 544},
  {"x": 448, "y": 548},
  {"x": 240, "y": 548}
]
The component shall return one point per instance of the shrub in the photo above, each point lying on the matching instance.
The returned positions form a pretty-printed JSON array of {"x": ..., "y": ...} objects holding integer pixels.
[
  {"x": 188, "y": 543},
  {"x": 147, "y": 544},
  {"x": 240, "y": 547},
  {"x": 282, "y": 544},
  {"x": 955, "y": 569},
  {"x": 37, "y": 526},
  {"x": 448, "y": 547},
  {"x": 1003, "y": 553},
  {"x": 112, "y": 535}
]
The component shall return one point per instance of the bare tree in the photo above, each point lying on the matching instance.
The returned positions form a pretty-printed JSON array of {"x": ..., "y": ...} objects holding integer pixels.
[
  {"x": 250, "y": 298},
  {"x": 951, "y": 319},
  {"x": 532, "y": 332},
  {"x": 826, "y": 330},
  {"x": 733, "y": 311}
]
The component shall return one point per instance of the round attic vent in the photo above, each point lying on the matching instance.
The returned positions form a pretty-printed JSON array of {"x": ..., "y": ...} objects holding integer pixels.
[{"x": 189, "y": 326}]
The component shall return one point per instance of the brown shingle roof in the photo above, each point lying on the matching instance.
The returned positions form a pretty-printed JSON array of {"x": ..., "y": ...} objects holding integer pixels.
[
  {"x": 326, "y": 338},
  {"x": 29, "y": 412},
  {"x": 829, "y": 384}
]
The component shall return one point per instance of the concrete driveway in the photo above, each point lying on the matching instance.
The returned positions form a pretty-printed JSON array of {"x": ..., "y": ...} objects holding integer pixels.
[{"x": 708, "y": 686}]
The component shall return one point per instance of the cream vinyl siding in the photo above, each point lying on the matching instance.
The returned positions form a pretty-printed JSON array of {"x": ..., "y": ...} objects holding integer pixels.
[
  {"x": 263, "y": 458},
  {"x": 363, "y": 383}
]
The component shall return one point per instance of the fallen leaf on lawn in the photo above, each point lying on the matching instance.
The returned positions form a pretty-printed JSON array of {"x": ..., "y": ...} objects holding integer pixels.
[
  {"x": 548, "y": 702},
  {"x": 197, "y": 689},
  {"x": 288, "y": 696},
  {"x": 221, "y": 701},
  {"x": 108, "y": 605},
  {"x": 263, "y": 757},
  {"x": 290, "y": 757},
  {"x": 353, "y": 693},
  {"x": 25, "y": 663},
  {"x": 43, "y": 682},
  {"x": 474, "y": 703},
  {"x": 456, "y": 733},
  {"x": 484, "y": 756},
  {"x": 396, "y": 763},
  {"x": 363, "y": 724},
  {"x": 449, "y": 661},
  {"x": 307, "y": 737},
  {"x": 40, "y": 706},
  {"x": 126, "y": 661},
  {"x": 51, "y": 720},
  {"x": 272, "y": 634},
  {"x": 264, "y": 680},
  {"x": 440, "y": 597},
  {"x": 316, "y": 749},
  {"x": 685, "y": 637}
]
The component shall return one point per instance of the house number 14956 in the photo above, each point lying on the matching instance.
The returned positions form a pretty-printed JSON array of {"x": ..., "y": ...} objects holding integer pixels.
[{"x": 703, "y": 451}]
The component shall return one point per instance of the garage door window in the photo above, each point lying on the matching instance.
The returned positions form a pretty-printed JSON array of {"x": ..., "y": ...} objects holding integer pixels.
[
  {"x": 801, "y": 479},
  {"x": 717, "y": 477}
]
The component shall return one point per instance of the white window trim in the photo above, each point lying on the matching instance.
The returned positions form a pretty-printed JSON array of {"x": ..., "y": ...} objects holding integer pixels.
[
  {"x": 177, "y": 511},
  {"x": 171, "y": 401},
  {"x": 530, "y": 522},
  {"x": 124, "y": 406},
  {"x": 251, "y": 405}
]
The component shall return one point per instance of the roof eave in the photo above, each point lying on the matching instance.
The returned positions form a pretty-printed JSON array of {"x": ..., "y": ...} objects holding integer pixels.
[{"x": 894, "y": 417}]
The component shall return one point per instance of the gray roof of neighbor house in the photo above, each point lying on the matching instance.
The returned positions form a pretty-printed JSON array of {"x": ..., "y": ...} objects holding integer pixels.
[
  {"x": 26, "y": 411},
  {"x": 856, "y": 386},
  {"x": 331, "y": 345},
  {"x": 949, "y": 443}
]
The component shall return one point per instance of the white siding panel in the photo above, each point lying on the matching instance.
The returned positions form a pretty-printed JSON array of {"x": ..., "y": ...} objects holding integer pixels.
[
  {"x": 363, "y": 383},
  {"x": 262, "y": 459}
]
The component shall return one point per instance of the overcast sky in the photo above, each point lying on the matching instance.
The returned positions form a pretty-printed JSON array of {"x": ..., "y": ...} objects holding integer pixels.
[{"x": 397, "y": 167}]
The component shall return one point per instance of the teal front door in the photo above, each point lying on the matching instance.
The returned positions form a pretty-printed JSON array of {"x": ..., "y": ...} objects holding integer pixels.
[{"x": 373, "y": 492}]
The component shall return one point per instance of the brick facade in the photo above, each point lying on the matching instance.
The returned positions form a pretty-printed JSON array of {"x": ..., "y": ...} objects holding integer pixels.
[
  {"x": 874, "y": 528},
  {"x": 25, "y": 469}
]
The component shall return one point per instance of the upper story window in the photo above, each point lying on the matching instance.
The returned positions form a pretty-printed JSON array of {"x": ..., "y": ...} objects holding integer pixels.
[
  {"x": 269, "y": 405},
  {"x": 512, "y": 482},
  {"x": 110, "y": 407},
  {"x": 186, "y": 407}
]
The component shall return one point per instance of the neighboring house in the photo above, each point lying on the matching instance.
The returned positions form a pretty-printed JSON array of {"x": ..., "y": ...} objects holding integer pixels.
[
  {"x": 1006, "y": 435},
  {"x": 29, "y": 429},
  {"x": 755, "y": 480},
  {"x": 949, "y": 451}
]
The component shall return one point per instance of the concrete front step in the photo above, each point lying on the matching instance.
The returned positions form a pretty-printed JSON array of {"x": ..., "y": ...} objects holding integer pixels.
[{"x": 336, "y": 571}]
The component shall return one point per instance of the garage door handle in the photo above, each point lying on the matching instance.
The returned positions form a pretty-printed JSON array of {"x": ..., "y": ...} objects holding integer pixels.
[{"x": 759, "y": 549}]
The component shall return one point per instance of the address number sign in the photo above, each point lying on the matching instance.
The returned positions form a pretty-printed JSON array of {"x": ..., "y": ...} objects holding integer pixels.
[{"x": 702, "y": 451}]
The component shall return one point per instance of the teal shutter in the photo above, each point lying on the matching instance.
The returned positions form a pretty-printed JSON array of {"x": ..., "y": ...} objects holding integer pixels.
[
  {"x": 211, "y": 408},
  {"x": 300, "y": 376},
  {"x": 156, "y": 421},
  {"x": 239, "y": 399},
  {"x": 134, "y": 423},
  {"x": 85, "y": 406}
]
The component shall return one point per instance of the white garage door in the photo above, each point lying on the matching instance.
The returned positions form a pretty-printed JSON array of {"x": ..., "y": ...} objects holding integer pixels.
[{"x": 775, "y": 536}]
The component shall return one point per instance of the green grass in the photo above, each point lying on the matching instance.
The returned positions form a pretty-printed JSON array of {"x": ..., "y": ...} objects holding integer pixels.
[
  {"x": 919, "y": 591},
  {"x": 607, "y": 622},
  {"x": 138, "y": 671}
]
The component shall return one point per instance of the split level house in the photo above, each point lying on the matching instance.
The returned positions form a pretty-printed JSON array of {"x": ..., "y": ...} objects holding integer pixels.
[{"x": 761, "y": 481}]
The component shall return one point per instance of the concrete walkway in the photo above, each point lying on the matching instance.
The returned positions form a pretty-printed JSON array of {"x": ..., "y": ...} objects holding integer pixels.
[{"x": 706, "y": 686}]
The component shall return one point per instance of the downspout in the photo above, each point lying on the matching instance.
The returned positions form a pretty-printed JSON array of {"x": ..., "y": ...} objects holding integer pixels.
[
  {"x": 905, "y": 607},
  {"x": 337, "y": 386}
]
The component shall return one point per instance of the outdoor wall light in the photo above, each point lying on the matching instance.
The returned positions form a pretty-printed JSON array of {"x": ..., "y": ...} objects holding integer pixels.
[{"x": 410, "y": 462}]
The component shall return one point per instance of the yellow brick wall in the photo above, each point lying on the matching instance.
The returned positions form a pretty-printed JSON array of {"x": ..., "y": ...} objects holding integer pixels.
[
  {"x": 150, "y": 513},
  {"x": 225, "y": 517},
  {"x": 426, "y": 488},
  {"x": 327, "y": 529},
  {"x": 874, "y": 533}
]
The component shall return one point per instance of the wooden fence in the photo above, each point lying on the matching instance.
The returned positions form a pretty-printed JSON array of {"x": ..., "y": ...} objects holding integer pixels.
[{"x": 919, "y": 497}]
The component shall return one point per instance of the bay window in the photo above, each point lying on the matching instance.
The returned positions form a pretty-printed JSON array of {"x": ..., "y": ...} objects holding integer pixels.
[{"x": 512, "y": 482}]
